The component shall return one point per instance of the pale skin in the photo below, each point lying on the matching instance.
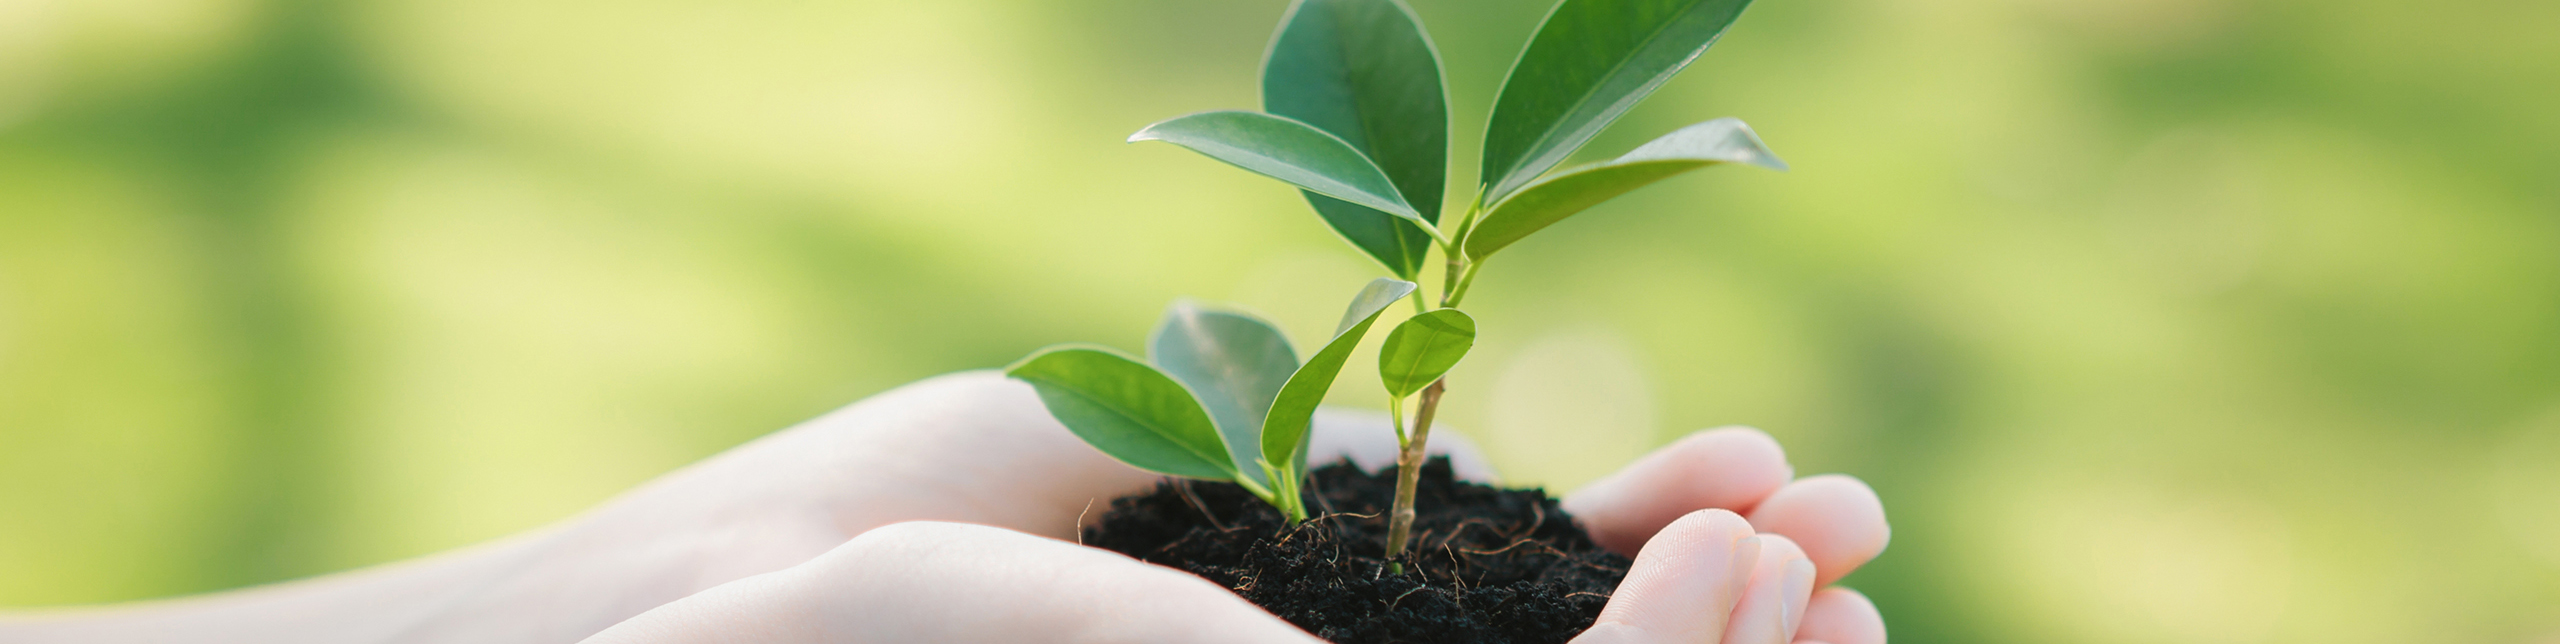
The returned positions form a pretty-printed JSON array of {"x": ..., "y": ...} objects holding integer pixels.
[{"x": 946, "y": 511}]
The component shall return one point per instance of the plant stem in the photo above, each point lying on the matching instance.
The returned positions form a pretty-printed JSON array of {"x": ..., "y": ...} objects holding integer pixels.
[
  {"x": 1296, "y": 508},
  {"x": 1450, "y": 298},
  {"x": 1283, "y": 493},
  {"x": 1449, "y": 283},
  {"x": 1395, "y": 412},
  {"x": 1409, "y": 474},
  {"x": 1257, "y": 489},
  {"x": 1455, "y": 278}
]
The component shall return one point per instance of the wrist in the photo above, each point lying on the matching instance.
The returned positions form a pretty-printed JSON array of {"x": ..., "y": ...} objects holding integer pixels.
[{"x": 372, "y": 604}]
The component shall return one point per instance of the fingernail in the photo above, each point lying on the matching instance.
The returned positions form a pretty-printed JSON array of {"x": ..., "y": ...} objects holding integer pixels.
[{"x": 1798, "y": 589}]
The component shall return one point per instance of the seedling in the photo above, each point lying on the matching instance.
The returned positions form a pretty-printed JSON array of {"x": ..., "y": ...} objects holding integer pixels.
[
  {"x": 1225, "y": 399},
  {"x": 1355, "y": 116}
]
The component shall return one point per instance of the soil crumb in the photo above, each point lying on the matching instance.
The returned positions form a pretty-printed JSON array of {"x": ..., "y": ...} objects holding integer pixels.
[{"x": 1487, "y": 566}]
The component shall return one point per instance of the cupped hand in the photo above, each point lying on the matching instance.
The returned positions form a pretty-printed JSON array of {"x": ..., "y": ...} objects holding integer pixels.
[{"x": 945, "y": 511}]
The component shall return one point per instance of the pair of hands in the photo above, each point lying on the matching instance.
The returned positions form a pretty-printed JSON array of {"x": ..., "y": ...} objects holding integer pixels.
[
  {"x": 944, "y": 511},
  {"x": 948, "y": 488}
]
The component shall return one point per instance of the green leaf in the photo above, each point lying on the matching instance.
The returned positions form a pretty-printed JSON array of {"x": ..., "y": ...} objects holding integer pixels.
[
  {"x": 1363, "y": 70},
  {"x": 1423, "y": 348},
  {"x": 1285, "y": 149},
  {"x": 1284, "y": 430},
  {"x": 1365, "y": 305},
  {"x": 1551, "y": 200},
  {"x": 1234, "y": 363},
  {"x": 1589, "y": 63},
  {"x": 1127, "y": 409}
]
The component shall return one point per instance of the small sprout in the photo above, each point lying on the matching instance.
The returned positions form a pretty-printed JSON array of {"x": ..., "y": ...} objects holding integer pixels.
[
  {"x": 1358, "y": 119},
  {"x": 1225, "y": 394}
]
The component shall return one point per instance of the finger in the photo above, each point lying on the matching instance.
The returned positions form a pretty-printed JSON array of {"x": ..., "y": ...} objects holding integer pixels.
[
  {"x": 1841, "y": 616},
  {"x": 1368, "y": 438},
  {"x": 973, "y": 447},
  {"x": 1683, "y": 586},
  {"x": 1837, "y": 519},
  {"x": 1770, "y": 608},
  {"x": 947, "y": 582},
  {"x": 1733, "y": 468}
]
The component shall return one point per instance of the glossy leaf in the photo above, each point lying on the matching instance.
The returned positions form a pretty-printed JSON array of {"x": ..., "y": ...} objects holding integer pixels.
[
  {"x": 1234, "y": 363},
  {"x": 1287, "y": 150},
  {"x": 1365, "y": 305},
  {"x": 1127, "y": 409},
  {"x": 1423, "y": 348},
  {"x": 1363, "y": 70},
  {"x": 1551, "y": 200},
  {"x": 1589, "y": 63},
  {"x": 1284, "y": 430}
]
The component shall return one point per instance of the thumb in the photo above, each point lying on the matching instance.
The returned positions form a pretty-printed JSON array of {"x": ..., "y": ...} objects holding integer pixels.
[
  {"x": 951, "y": 582},
  {"x": 1684, "y": 585}
]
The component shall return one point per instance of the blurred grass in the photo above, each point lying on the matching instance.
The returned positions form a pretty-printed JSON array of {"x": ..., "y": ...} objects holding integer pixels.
[{"x": 2152, "y": 320}]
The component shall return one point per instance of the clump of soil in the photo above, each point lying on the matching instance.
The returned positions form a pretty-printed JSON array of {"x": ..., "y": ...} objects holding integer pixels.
[{"x": 1487, "y": 565}]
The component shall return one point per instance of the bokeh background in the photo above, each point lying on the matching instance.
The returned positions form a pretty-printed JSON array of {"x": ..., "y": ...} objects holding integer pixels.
[{"x": 2202, "y": 321}]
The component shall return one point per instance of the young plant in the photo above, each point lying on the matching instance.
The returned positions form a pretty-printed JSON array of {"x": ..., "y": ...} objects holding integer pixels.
[
  {"x": 1221, "y": 397},
  {"x": 1355, "y": 116}
]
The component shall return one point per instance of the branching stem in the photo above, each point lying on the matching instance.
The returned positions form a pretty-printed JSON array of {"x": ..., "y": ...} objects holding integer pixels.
[
  {"x": 1449, "y": 277},
  {"x": 1450, "y": 298},
  {"x": 1456, "y": 276}
]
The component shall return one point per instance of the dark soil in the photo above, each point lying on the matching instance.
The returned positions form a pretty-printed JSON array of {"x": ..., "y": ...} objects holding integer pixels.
[{"x": 1488, "y": 565}]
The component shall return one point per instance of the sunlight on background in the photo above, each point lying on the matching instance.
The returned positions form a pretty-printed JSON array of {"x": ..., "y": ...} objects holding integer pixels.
[
  {"x": 1567, "y": 408},
  {"x": 2214, "y": 321},
  {"x": 2526, "y": 487}
]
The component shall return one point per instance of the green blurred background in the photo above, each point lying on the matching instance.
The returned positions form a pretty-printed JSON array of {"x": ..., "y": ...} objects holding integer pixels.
[{"x": 2152, "y": 320}]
